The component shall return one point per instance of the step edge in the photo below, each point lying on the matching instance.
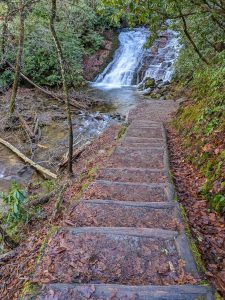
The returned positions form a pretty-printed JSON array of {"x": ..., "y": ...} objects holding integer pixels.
[
  {"x": 183, "y": 289},
  {"x": 153, "y": 205},
  {"x": 128, "y": 231},
  {"x": 153, "y": 170},
  {"x": 151, "y": 185}
]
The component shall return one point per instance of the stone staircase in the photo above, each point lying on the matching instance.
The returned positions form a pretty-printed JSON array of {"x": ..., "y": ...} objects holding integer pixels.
[{"x": 125, "y": 238}]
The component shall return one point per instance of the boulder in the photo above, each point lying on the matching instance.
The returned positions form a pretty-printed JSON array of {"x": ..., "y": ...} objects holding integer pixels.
[{"x": 147, "y": 92}]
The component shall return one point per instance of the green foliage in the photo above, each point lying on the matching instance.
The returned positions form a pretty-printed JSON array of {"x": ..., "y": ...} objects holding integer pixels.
[
  {"x": 15, "y": 201},
  {"x": 79, "y": 30},
  {"x": 48, "y": 186}
]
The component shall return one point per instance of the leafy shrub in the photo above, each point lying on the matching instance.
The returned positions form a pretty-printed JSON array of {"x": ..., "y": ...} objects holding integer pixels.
[{"x": 15, "y": 201}]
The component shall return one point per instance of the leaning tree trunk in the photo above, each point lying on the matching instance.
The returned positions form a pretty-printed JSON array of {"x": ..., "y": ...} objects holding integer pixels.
[
  {"x": 186, "y": 32},
  {"x": 19, "y": 57},
  {"x": 65, "y": 87}
]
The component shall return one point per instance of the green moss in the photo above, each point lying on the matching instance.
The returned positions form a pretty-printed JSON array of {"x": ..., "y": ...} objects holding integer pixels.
[
  {"x": 218, "y": 296},
  {"x": 48, "y": 185},
  {"x": 194, "y": 249},
  {"x": 155, "y": 96},
  {"x": 122, "y": 131},
  {"x": 52, "y": 231},
  {"x": 93, "y": 171},
  {"x": 199, "y": 124},
  {"x": 149, "y": 83},
  {"x": 29, "y": 290}
]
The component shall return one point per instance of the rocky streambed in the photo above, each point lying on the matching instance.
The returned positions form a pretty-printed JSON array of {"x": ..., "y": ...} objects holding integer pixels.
[{"x": 53, "y": 142}]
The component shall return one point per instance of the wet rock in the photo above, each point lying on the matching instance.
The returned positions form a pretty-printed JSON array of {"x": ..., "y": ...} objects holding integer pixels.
[
  {"x": 118, "y": 117},
  {"x": 58, "y": 117},
  {"x": 147, "y": 92},
  {"x": 45, "y": 119},
  {"x": 154, "y": 50},
  {"x": 98, "y": 117}
]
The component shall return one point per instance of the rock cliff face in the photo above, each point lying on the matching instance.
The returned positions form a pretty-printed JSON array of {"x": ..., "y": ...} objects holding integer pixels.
[{"x": 93, "y": 64}]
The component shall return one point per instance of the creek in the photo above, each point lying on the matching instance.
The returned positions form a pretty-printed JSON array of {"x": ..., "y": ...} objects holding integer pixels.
[{"x": 117, "y": 85}]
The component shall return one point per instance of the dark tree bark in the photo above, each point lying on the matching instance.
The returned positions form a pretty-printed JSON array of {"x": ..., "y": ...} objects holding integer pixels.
[
  {"x": 65, "y": 87},
  {"x": 19, "y": 57},
  {"x": 4, "y": 34},
  {"x": 192, "y": 41}
]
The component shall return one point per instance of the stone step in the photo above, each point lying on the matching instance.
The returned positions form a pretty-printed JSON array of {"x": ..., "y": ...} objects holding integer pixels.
[
  {"x": 140, "y": 143},
  {"x": 133, "y": 175},
  {"x": 145, "y": 132},
  {"x": 146, "y": 125},
  {"x": 117, "y": 255},
  {"x": 139, "y": 140},
  {"x": 134, "y": 153},
  {"x": 155, "y": 111},
  {"x": 121, "y": 292},
  {"x": 140, "y": 158},
  {"x": 109, "y": 213},
  {"x": 142, "y": 146},
  {"x": 102, "y": 189}
]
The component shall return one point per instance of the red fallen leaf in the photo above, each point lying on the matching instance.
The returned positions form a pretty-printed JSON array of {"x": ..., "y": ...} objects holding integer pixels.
[
  {"x": 68, "y": 222},
  {"x": 217, "y": 151},
  {"x": 207, "y": 148},
  {"x": 209, "y": 274},
  {"x": 73, "y": 264},
  {"x": 212, "y": 217},
  {"x": 60, "y": 250}
]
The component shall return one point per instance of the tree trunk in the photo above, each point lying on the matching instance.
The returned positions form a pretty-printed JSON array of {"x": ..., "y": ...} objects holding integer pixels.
[
  {"x": 19, "y": 58},
  {"x": 186, "y": 32},
  {"x": 65, "y": 87},
  {"x": 4, "y": 33}
]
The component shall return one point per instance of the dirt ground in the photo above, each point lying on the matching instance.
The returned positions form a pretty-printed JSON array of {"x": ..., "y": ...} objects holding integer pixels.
[{"x": 207, "y": 227}]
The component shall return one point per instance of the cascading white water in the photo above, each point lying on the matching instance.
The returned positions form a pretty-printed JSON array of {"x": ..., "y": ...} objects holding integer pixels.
[
  {"x": 132, "y": 57},
  {"x": 161, "y": 66},
  {"x": 121, "y": 71}
]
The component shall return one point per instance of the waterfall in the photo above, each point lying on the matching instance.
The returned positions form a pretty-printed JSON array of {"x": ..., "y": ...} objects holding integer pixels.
[
  {"x": 121, "y": 71},
  {"x": 158, "y": 62},
  {"x": 132, "y": 60}
]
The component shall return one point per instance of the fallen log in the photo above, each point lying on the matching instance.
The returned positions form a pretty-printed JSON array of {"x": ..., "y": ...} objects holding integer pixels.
[
  {"x": 72, "y": 103},
  {"x": 39, "y": 168}
]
